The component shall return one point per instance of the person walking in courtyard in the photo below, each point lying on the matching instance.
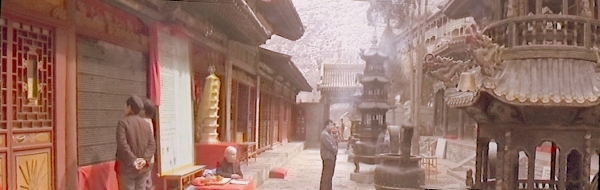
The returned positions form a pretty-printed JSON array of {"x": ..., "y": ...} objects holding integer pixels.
[
  {"x": 329, "y": 150},
  {"x": 135, "y": 147}
]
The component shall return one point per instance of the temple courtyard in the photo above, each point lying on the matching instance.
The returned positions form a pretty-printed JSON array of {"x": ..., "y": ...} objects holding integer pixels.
[{"x": 304, "y": 172}]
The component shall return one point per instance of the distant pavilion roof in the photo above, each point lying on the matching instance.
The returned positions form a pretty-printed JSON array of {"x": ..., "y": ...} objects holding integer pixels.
[{"x": 339, "y": 77}]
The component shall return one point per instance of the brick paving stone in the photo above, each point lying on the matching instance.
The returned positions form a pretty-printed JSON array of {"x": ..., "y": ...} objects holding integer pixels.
[{"x": 304, "y": 172}]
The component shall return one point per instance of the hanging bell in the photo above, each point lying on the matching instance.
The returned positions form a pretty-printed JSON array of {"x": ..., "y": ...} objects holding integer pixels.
[{"x": 466, "y": 83}]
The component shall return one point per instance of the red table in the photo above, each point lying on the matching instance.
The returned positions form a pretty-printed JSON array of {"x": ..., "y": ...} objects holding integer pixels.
[
  {"x": 249, "y": 186},
  {"x": 210, "y": 154}
]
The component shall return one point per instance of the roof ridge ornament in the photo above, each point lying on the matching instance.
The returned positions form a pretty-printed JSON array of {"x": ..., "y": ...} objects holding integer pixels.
[{"x": 484, "y": 54}]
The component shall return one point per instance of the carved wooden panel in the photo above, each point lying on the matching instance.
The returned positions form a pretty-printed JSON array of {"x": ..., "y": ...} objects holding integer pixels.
[
  {"x": 38, "y": 138},
  {"x": 33, "y": 169},
  {"x": 32, "y": 70}
]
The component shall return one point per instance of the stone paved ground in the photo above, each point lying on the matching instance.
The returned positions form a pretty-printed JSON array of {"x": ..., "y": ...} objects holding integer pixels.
[{"x": 304, "y": 172}]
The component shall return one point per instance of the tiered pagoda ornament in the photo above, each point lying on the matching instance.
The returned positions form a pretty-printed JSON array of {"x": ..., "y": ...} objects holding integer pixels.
[
  {"x": 373, "y": 106},
  {"x": 207, "y": 125},
  {"x": 529, "y": 81}
]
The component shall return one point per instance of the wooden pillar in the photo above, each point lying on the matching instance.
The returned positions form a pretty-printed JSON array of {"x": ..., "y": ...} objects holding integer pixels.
[
  {"x": 553, "y": 162},
  {"x": 327, "y": 110},
  {"x": 485, "y": 160},
  {"x": 565, "y": 7},
  {"x": 508, "y": 161},
  {"x": 531, "y": 168},
  {"x": 257, "y": 109},
  {"x": 499, "y": 160},
  {"x": 461, "y": 124},
  {"x": 587, "y": 163},
  {"x": 227, "y": 84},
  {"x": 597, "y": 9},
  {"x": 445, "y": 119},
  {"x": 562, "y": 169},
  {"x": 71, "y": 168},
  {"x": 478, "y": 163}
]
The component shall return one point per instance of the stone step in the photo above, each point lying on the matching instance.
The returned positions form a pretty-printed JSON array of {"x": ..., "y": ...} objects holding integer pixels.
[{"x": 258, "y": 169}]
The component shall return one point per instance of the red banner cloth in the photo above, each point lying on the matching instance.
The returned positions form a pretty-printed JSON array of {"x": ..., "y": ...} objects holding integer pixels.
[
  {"x": 249, "y": 186},
  {"x": 154, "y": 66},
  {"x": 98, "y": 176},
  {"x": 210, "y": 154}
]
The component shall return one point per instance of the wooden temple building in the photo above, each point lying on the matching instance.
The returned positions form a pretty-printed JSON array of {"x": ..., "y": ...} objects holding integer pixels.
[
  {"x": 67, "y": 67},
  {"x": 531, "y": 78}
]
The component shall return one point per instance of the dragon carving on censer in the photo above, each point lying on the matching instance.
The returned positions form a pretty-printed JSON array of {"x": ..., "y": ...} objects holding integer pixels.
[{"x": 482, "y": 53}]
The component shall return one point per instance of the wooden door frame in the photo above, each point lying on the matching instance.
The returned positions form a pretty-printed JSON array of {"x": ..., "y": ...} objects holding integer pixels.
[{"x": 59, "y": 146}]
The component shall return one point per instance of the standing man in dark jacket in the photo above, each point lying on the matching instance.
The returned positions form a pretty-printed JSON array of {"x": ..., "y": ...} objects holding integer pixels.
[
  {"x": 135, "y": 147},
  {"x": 329, "y": 150}
]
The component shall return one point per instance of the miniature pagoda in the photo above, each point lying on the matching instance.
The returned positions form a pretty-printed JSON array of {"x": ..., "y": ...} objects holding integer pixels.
[
  {"x": 533, "y": 79},
  {"x": 373, "y": 106}
]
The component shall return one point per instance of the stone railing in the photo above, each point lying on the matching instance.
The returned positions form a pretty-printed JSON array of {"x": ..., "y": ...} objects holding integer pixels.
[
  {"x": 440, "y": 47},
  {"x": 547, "y": 36}
]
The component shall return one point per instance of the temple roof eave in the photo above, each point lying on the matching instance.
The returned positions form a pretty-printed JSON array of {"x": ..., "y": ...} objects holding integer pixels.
[
  {"x": 282, "y": 64},
  {"x": 468, "y": 99},
  {"x": 373, "y": 56},
  {"x": 284, "y": 18},
  {"x": 233, "y": 17}
]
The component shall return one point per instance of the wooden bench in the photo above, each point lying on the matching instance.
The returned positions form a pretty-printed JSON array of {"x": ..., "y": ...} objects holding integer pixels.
[
  {"x": 183, "y": 175},
  {"x": 249, "y": 151}
]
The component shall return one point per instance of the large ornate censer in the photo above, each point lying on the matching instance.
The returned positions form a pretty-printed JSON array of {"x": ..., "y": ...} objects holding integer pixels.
[
  {"x": 373, "y": 106},
  {"x": 397, "y": 171}
]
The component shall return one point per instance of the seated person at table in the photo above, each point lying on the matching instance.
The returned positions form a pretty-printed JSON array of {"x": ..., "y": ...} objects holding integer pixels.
[{"x": 229, "y": 167}]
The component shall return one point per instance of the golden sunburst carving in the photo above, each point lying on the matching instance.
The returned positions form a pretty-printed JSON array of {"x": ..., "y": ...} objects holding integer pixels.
[{"x": 35, "y": 174}]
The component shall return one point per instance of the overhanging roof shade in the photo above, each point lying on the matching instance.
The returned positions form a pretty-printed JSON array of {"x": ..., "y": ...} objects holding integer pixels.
[
  {"x": 283, "y": 17},
  {"x": 233, "y": 17},
  {"x": 282, "y": 63}
]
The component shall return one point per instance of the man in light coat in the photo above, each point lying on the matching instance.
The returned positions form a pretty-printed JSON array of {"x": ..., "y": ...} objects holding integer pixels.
[{"x": 329, "y": 150}]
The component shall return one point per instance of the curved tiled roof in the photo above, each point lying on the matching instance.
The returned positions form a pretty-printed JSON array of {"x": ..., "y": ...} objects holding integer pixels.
[
  {"x": 341, "y": 76},
  {"x": 547, "y": 82}
]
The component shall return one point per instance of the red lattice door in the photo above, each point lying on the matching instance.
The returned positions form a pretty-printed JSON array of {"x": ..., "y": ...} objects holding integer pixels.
[{"x": 27, "y": 87}]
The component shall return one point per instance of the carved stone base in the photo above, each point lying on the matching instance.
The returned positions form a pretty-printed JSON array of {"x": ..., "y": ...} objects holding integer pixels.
[{"x": 363, "y": 177}]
